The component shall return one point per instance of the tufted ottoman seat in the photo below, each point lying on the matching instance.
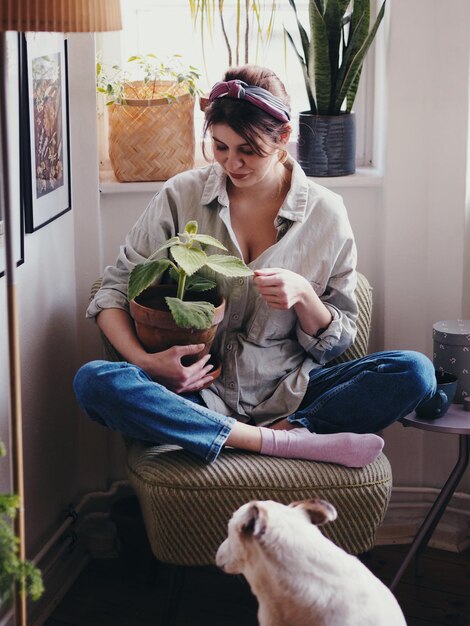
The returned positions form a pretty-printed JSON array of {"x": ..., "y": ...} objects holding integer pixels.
[{"x": 187, "y": 503}]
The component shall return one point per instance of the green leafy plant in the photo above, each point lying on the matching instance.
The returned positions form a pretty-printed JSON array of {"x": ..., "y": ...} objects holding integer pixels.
[
  {"x": 146, "y": 77},
  {"x": 12, "y": 568},
  {"x": 333, "y": 55},
  {"x": 187, "y": 250},
  {"x": 249, "y": 17}
]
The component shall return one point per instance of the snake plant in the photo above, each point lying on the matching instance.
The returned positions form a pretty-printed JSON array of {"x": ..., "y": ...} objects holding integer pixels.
[
  {"x": 187, "y": 250},
  {"x": 332, "y": 56}
]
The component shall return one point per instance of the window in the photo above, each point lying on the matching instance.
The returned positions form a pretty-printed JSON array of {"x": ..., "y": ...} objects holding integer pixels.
[{"x": 165, "y": 27}]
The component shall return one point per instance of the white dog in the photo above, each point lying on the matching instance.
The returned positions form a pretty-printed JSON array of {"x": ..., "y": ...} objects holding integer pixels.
[{"x": 300, "y": 577}]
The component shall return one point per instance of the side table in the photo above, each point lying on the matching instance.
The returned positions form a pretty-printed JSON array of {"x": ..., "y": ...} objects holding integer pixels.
[{"x": 456, "y": 421}]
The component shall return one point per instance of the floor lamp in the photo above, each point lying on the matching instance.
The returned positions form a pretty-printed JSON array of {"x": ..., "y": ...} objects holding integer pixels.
[{"x": 64, "y": 16}]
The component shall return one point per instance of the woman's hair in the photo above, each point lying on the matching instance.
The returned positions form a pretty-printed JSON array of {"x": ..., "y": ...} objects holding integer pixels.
[{"x": 247, "y": 120}]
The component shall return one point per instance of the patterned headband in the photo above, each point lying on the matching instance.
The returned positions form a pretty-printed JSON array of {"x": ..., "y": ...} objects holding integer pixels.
[{"x": 261, "y": 98}]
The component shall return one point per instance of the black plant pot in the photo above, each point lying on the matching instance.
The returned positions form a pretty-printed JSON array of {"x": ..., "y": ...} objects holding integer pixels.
[{"x": 326, "y": 145}]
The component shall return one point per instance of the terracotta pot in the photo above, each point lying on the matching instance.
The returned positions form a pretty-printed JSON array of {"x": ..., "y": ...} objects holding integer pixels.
[{"x": 156, "y": 328}]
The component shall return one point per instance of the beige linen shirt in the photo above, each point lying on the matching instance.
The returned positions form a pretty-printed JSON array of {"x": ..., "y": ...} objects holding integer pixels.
[{"x": 266, "y": 356}]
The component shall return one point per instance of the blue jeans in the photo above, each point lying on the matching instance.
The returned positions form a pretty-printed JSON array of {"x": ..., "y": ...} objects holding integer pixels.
[
  {"x": 363, "y": 395},
  {"x": 367, "y": 394}
]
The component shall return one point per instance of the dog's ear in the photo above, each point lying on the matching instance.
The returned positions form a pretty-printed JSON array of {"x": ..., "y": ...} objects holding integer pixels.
[
  {"x": 319, "y": 511},
  {"x": 255, "y": 521}
]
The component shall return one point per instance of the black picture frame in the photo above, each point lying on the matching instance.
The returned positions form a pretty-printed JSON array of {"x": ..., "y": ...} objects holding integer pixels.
[
  {"x": 46, "y": 158},
  {"x": 13, "y": 80}
]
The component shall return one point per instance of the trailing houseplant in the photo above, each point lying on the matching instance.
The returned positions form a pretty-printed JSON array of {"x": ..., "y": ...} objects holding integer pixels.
[
  {"x": 12, "y": 568},
  {"x": 331, "y": 55},
  {"x": 242, "y": 23},
  {"x": 191, "y": 271},
  {"x": 150, "y": 104},
  {"x": 250, "y": 16}
]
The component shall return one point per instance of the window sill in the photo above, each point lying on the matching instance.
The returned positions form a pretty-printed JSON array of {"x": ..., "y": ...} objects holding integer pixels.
[{"x": 363, "y": 177}]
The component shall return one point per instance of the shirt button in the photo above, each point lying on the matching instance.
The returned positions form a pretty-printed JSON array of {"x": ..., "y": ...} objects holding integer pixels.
[
  {"x": 241, "y": 281},
  {"x": 229, "y": 346},
  {"x": 235, "y": 316},
  {"x": 232, "y": 385}
]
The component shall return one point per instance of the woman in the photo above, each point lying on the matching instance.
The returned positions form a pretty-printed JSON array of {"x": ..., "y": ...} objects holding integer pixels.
[{"x": 281, "y": 327}]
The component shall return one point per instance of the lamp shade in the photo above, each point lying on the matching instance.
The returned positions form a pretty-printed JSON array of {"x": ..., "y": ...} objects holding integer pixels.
[{"x": 63, "y": 16}]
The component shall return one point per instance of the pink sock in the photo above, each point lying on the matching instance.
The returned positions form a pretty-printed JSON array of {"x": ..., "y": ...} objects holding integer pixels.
[{"x": 348, "y": 449}]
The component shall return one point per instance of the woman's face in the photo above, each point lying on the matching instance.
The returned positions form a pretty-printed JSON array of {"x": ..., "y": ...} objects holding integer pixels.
[{"x": 244, "y": 167}]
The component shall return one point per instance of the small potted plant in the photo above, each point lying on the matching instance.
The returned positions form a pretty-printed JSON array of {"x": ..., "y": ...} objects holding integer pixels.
[
  {"x": 331, "y": 58},
  {"x": 12, "y": 568},
  {"x": 150, "y": 107},
  {"x": 172, "y": 314}
]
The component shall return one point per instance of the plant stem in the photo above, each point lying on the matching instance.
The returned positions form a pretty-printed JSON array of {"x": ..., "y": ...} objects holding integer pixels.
[
  {"x": 224, "y": 32},
  {"x": 247, "y": 28},
  {"x": 181, "y": 284}
]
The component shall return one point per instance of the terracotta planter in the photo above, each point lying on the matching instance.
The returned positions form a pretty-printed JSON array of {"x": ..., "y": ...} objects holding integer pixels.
[{"x": 156, "y": 328}]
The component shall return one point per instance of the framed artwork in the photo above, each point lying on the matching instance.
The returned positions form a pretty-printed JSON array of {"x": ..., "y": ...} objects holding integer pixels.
[
  {"x": 12, "y": 68},
  {"x": 46, "y": 140}
]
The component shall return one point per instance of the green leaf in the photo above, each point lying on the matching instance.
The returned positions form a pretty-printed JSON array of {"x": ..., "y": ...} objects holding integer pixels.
[
  {"x": 351, "y": 95},
  {"x": 304, "y": 66},
  {"x": 358, "y": 60},
  {"x": 209, "y": 241},
  {"x": 319, "y": 61},
  {"x": 191, "y": 227},
  {"x": 191, "y": 314},
  {"x": 333, "y": 18},
  {"x": 227, "y": 265},
  {"x": 189, "y": 259},
  {"x": 9, "y": 504},
  {"x": 199, "y": 283},
  {"x": 170, "y": 242},
  {"x": 144, "y": 274},
  {"x": 358, "y": 31}
]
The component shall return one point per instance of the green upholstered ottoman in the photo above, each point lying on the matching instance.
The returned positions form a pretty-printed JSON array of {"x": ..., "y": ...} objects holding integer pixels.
[{"x": 186, "y": 503}]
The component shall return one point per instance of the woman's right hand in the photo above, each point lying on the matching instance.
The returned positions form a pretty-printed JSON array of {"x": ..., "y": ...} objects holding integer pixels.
[
  {"x": 163, "y": 367},
  {"x": 166, "y": 368}
]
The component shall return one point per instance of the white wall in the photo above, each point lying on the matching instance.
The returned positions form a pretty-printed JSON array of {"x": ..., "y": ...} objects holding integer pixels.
[{"x": 425, "y": 188}]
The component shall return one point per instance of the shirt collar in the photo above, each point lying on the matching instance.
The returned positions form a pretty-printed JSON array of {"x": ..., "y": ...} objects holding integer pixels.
[
  {"x": 294, "y": 205},
  {"x": 215, "y": 186}
]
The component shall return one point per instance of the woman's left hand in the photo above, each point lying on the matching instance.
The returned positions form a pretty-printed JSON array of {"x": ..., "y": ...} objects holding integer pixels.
[{"x": 281, "y": 288}]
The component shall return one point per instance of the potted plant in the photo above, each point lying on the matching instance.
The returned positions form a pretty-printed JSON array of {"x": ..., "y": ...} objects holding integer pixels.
[
  {"x": 249, "y": 22},
  {"x": 12, "y": 568},
  {"x": 331, "y": 58},
  {"x": 248, "y": 18},
  {"x": 167, "y": 314},
  {"x": 150, "y": 107}
]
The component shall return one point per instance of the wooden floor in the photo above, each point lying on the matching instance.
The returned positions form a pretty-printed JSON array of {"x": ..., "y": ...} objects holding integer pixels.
[{"x": 109, "y": 594}]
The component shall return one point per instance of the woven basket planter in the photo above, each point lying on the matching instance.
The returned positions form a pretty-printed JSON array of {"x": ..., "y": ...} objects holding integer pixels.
[{"x": 152, "y": 139}]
